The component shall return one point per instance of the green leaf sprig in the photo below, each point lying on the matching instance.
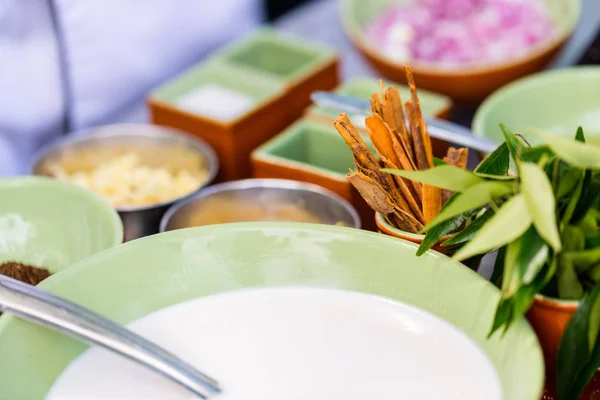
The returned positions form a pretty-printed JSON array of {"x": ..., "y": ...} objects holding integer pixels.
[{"x": 544, "y": 221}]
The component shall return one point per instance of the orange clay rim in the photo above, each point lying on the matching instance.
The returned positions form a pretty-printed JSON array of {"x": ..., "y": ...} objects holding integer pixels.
[{"x": 355, "y": 36}]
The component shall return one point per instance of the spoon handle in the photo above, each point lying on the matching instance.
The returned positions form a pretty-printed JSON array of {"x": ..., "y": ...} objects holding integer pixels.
[
  {"x": 43, "y": 308},
  {"x": 438, "y": 129}
]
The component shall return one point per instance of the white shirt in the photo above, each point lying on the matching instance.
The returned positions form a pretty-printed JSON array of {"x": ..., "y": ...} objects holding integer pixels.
[{"x": 113, "y": 53}]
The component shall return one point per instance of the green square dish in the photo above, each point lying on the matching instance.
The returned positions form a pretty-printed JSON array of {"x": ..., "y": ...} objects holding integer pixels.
[
  {"x": 310, "y": 146},
  {"x": 277, "y": 55},
  {"x": 432, "y": 104},
  {"x": 313, "y": 152},
  {"x": 261, "y": 89}
]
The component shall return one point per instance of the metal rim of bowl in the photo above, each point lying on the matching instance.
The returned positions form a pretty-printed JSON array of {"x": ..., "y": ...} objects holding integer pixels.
[
  {"x": 140, "y": 130},
  {"x": 260, "y": 183}
]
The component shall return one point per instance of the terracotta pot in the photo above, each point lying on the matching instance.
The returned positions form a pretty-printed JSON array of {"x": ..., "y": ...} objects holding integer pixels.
[
  {"x": 387, "y": 229},
  {"x": 591, "y": 392},
  {"x": 549, "y": 318},
  {"x": 466, "y": 84}
]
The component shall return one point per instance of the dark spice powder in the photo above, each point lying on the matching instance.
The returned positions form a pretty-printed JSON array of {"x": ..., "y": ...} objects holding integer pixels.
[{"x": 24, "y": 273}]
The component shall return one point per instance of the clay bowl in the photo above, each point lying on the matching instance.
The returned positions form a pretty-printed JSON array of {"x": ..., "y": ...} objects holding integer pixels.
[
  {"x": 549, "y": 319},
  {"x": 468, "y": 84},
  {"x": 384, "y": 227}
]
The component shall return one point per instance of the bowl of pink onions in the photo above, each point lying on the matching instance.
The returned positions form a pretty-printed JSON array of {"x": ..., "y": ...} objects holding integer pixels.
[{"x": 464, "y": 49}]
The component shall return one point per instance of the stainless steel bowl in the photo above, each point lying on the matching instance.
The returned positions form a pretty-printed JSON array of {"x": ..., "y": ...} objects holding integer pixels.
[
  {"x": 156, "y": 145},
  {"x": 326, "y": 206}
]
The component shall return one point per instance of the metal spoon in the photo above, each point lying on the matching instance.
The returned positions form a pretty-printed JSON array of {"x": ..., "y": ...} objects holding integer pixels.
[
  {"x": 43, "y": 308},
  {"x": 442, "y": 130}
]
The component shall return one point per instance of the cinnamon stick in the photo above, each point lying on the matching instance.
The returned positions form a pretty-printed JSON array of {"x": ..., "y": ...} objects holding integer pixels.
[
  {"x": 399, "y": 134},
  {"x": 418, "y": 117},
  {"x": 458, "y": 158}
]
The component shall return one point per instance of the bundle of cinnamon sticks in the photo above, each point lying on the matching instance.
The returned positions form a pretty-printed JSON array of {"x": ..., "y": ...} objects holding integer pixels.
[{"x": 405, "y": 204}]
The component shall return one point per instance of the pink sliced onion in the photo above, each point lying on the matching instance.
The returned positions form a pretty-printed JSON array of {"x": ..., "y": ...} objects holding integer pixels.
[{"x": 454, "y": 32}]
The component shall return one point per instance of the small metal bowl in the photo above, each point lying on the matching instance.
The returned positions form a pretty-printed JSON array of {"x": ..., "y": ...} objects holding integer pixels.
[
  {"x": 157, "y": 146},
  {"x": 324, "y": 205}
]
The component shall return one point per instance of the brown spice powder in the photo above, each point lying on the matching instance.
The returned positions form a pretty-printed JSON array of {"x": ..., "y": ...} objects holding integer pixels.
[{"x": 24, "y": 273}]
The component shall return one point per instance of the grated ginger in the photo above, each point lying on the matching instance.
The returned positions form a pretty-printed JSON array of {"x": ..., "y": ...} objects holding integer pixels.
[{"x": 124, "y": 182}]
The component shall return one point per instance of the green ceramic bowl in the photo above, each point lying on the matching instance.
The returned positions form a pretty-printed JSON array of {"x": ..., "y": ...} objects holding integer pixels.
[
  {"x": 555, "y": 101},
  {"x": 275, "y": 54},
  {"x": 132, "y": 280},
  {"x": 53, "y": 224}
]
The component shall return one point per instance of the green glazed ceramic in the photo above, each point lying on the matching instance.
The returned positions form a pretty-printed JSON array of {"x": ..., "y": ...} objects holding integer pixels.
[
  {"x": 556, "y": 102},
  {"x": 432, "y": 104},
  {"x": 132, "y": 280},
  {"x": 215, "y": 72},
  {"x": 52, "y": 224},
  {"x": 276, "y": 55},
  {"x": 312, "y": 145}
]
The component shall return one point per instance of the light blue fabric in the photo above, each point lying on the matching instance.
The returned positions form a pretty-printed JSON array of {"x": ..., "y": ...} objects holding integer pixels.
[{"x": 116, "y": 51}]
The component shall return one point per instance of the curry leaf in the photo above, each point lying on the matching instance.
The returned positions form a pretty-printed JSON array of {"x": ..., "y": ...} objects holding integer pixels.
[
  {"x": 509, "y": 222},
  {"x": 588, "y": 224},
  {"x": 496, "y": 177},
  {"x": 528, "y": 255},
  {"x": 579, "y": 349},
  {"x": 496, "y": 163},
  {"x": 581, "y": 155},
  {"x": 537, "y": 189},
  {"x": 535, "y": 154},
  {"x": 589, "y": 195},
  {"x": 594, "y": 273},
  {"x": 579, "y": 136},
  {"x": 439, "y": 231},
  {"x": 503, "y": 315},
  {"x": 582, "y": 260},
  {"x": 498, "y": 267},
  {"x": 512, "y": 143},
  {"x": 573, "y": 201},
  {"x": 474, "y": 197},
  {"x": 573, "y": 239},
  {"x": 526, "y": 294},
  {"x": 592, "y": 241},
  {"x": 446, "y": 177},
  {"x": 569, "y": 287},
  {"x": 521, "y": 300},
  {"x": 512, "y": 278},
  {"x": 470, "y": 231},
  {"x": 568, "y": 182},
  {"x": 594, "y": 328}
]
